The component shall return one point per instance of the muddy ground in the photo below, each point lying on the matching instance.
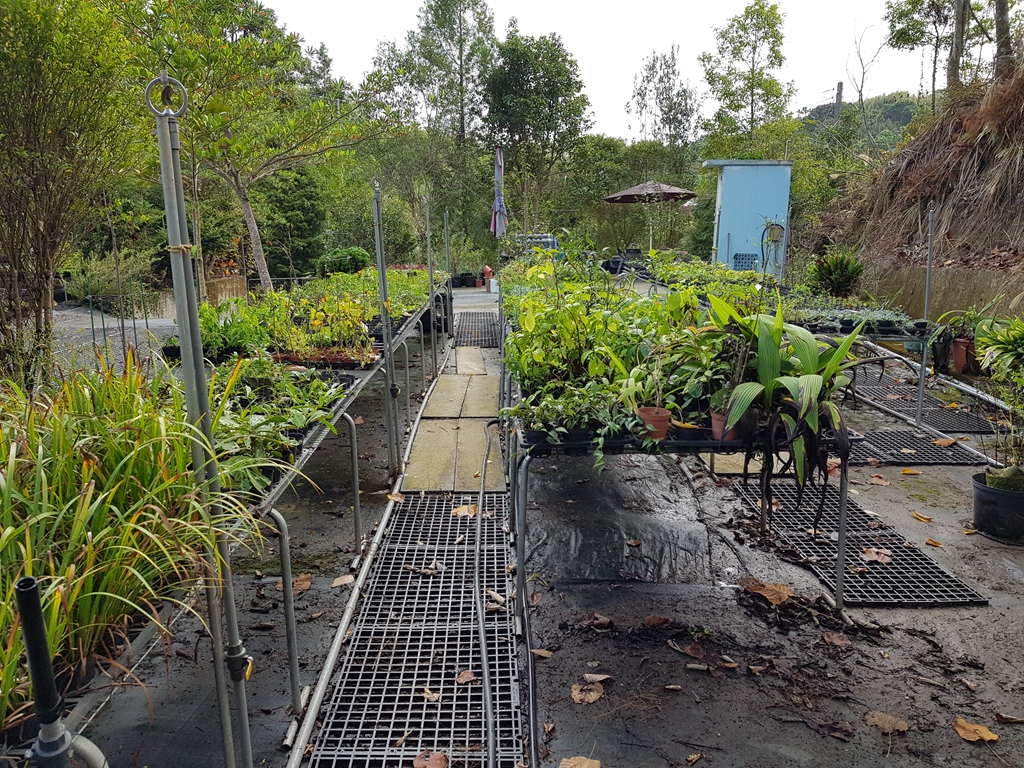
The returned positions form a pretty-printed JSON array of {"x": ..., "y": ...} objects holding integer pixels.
[{"x": 732, "y": 679}]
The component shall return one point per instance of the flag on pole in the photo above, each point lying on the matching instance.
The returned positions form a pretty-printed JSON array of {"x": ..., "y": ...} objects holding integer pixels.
[{"x": 499, "y": 216}]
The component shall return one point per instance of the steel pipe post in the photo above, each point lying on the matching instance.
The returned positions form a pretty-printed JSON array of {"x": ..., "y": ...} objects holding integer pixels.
[
  {"x": 289, "y": 609},
  {"x": 922, "y": 374},
  {"x": 430, "y": 292},
  {"x": 408, "y": 399},
  {"x": 176, "y": 246},
  {"x": 385, "y": 317},
  {"x": 357, "y": 516},
  {"x": 449, "y": 310},
  {"x": 844, "y": 495},
  {"x": 524, "y": 479}
]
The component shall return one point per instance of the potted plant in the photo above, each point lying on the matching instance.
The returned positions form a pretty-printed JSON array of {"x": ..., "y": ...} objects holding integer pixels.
[
  {"x": 999, "y": 494},
  {"x": 719, "y": 402},
  {"x": 964, "y": 324}
]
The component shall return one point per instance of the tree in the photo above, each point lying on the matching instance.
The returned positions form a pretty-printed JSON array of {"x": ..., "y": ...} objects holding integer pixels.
[
  {"x": 740, "y": 76},
  {"x": 665, "y": 107},
  {"x": 67, "y": 129},
  {"x": 920, "y": 23},
  {"x": 956, "y": 44},
  {"x": 1004, "y": 49},
  {"x": 251, "y": 116},
  {"x": 293, "y": 211},
  {"x": 440, "y": 72},
  {"x": 536, "y": 110}
]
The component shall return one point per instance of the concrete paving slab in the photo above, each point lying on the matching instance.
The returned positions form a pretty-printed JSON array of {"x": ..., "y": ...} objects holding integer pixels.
[
  {"x": 470, "y": 360},
  {"x": 446, "y": 401},
  {"x": 432, "y": 462},
  {"x": 470, "y": 456},
  {"x": 481, "y": 398}
]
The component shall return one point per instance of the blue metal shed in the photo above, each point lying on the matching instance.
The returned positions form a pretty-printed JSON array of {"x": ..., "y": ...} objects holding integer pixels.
[{"x": 752, "y": 196}]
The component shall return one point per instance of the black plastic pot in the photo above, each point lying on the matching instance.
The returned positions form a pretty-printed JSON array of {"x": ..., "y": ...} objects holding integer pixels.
[
  {"x": 886, "y": 325},
  {"x": 998, "y": 513},
  {"x": 171, "y": 352},
  {"x": 581, "y": 438}
]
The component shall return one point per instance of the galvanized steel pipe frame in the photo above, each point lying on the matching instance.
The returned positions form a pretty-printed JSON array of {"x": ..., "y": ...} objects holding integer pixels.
[
  {"x": 478, "y": 607},
  {"x": 430, "y": 280},
  {"x": 320, "y": 690},
  {"x": 197, "y": 403},
  {"x": 284, "y": 551}
]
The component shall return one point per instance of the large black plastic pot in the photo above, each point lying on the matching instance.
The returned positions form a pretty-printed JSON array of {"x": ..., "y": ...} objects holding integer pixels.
[{"x": 998, "y": 513}]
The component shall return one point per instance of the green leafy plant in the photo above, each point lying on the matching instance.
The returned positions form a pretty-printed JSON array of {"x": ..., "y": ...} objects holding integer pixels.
[
  {"x": 351, "y": 259},
  {"x": 837, "y": 273}
]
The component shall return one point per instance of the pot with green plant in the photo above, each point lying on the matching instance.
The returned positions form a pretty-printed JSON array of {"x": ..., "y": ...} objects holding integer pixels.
[
  {"x": 965, "y": 324},
  {"x": 642, "y": 393},
  {"x": 718, "y": 403},
  {"x": 999, "y": 494}
]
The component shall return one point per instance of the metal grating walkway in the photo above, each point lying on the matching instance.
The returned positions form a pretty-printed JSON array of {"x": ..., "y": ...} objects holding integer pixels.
[
  {"x": 476, "y": 329},
  {"x": 911, "y": 579},
  {"x": 415, "y": 633},
  {"x": 935, "y": 413},
  {"x": 909, "y": 448}
]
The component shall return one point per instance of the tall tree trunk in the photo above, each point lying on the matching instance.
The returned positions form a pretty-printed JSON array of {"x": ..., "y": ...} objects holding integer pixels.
[
  {"x": 956, "y": 46},
  {"x": 1004, "y": 49},
  {"x": 255, "y": 241}
]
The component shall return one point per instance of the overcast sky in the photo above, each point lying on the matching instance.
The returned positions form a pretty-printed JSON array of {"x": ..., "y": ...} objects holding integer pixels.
[{"x": 610, "y": 41}]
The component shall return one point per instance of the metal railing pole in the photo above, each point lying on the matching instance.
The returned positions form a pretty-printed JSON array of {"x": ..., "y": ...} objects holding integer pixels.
[
  {"x": 198, "y": 411},
  {"x": 449, "y": 310},
  {"x": 289, "y": 609},
  {"x": 844, "y": 495},
  {"x": 430, "y": 293},
  {"x": 385, "y": 320},
  {"x": 922, "y": 374},
  {"x": 356, "y": 513},
  {"x": 408, "y": 397}
]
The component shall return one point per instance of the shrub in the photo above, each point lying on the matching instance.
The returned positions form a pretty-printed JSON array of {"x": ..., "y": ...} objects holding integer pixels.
[
  {"x": 837, "y": 272},
  {"x": 349, "y": 260}
]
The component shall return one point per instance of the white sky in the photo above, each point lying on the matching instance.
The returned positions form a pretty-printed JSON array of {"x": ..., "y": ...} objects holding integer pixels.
[{"x": 610, "y": 41}]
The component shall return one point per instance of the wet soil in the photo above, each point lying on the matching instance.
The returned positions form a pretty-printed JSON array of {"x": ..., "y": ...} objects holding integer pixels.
[{"x": 770, "y": 689}]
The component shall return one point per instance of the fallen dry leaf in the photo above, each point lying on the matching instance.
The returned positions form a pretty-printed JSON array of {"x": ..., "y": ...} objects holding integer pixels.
[
  {"x": 542, "y": 652},
  {"x": 654, "y": 620},
  {"x": 341, "y": 581},
  {"x": 692, "y": 759},
  {"x": 593, "y": 664},
  {"x": 634, "y": 542},
  {"x": 602, "y": 622},
  {"x": 673, "y": 687},
  {"x": 493, "y": 607},
  {"x": 892, "y": 396},
  {"x": 908, "y": 471},
  {"x": 877, "y": 480},
  {"x": 698, "y": 667},
  {"x": 397, "y": 497},
  {"x": 973, "y": 732},
  {"x": 299, "y": 584},
  {"x": 427, "y": 759},
  {"x": 406, "y": 735},
  {"x": 907, "y": 450},
  {"x": 776, "y": 594},
  {"x": 922, "y": 518},
  {"x": 579, "y": 762},
  {"x": 466, "y": 510},
  {"x": 933, "y": 543},
  {"x": 535, "y": 598},
  {"x": 592, "y": 678},
  {"x": 872, "y": 462},
  {"x": 587, "y": 694},
  {"x": 970, "y": 531},
  {"x": 874, "y": 555},
  {"x": 476, "y": 475},
  {"x": 496, "y": 597},
  {"x": 838, "y": 639},
  {"x": 944, "y": 442},
  {"x": 886, "y": 723},
  {"x": 695, "y": 650},
  {"x": 549, "y": 728},
  {"x": 358, "y": 420},
  {"x": 1009, "y": 719},
  {"x": 466, "y": 676},
  {"x": 429, "y": 695}
]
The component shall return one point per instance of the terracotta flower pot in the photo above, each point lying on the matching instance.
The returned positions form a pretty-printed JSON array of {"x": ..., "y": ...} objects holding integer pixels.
[
  {"x": 656, "y": 420},
  {"x": 964, "y": 359},
  {"x": 718, "y": 428},
  {"x": 479, "y": 282}
]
